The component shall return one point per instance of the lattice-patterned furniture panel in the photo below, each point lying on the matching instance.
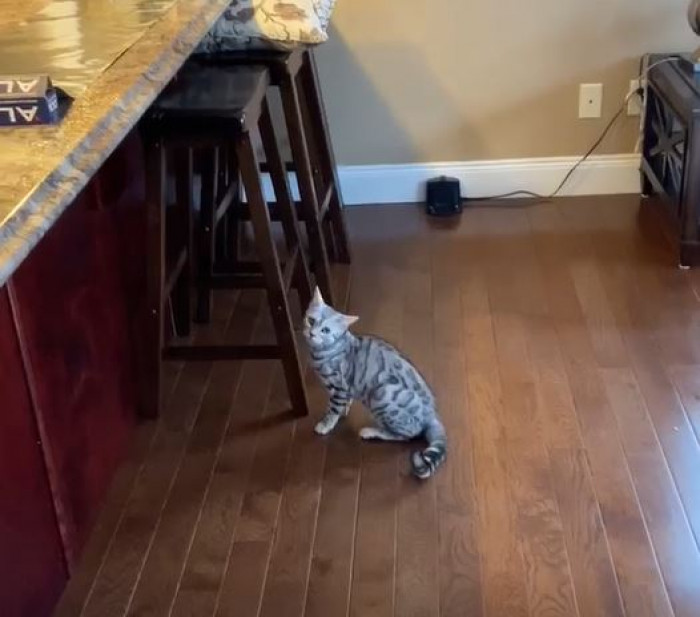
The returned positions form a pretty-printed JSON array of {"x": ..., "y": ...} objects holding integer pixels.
[{"x": 671, "y": 152}]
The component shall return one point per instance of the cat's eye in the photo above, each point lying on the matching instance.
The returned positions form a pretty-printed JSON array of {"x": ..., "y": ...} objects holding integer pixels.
[
  {"x": 325, "y": 330},
  {"x": 311, "y": 321}
]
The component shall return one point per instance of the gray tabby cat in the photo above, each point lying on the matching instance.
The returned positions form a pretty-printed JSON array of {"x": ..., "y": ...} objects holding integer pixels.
[{"x": 370, "y": 370}]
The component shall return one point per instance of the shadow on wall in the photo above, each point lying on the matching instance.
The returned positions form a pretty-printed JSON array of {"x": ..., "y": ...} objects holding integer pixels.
[
  {"x": 405, "y": 111},
  {"x": 368, "y": 129},
  {"x": 496, "y": 83}
]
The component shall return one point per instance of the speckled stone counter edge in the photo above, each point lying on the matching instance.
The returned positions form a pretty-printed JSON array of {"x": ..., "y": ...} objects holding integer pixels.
[{"x": 98, "y": 122}]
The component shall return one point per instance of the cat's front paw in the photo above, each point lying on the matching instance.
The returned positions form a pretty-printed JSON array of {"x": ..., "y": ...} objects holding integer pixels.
[{"x": 326, "y": 425}]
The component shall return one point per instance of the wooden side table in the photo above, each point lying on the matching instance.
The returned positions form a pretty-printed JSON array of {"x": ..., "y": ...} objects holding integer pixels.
[{"x": 671, "y": 152}]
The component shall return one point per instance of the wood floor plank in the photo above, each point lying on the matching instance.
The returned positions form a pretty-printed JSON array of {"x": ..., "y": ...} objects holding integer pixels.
[
  {"x": 638, "y": 573},
  {"x": 459, "y": 570},
  {"x": 115, "y": 582},
  {"x": 515, "y": 304},
  {"x": 372, "y": 593},
  {"x": 113, "y": 509},
  {"x": 674, "y": 431},
  {"x": 547, "y": 569},
  {"x": 517, "y": 307},
  {"x": 245, "y": 577},
  {"x": 287, "y": 577},
  {"x": 676, "y": 551},
  {"x": 560, "y": 342},
  {"x": 260, "y": 508},
  {"x": 331, "y": 564},
  {"x": 168, "y": 552},
  {"x": 74, "y": 597},
  {"x": 198, "y": 590},
  {"x": 579, "y": 392},
  {"x": 255, "y": 526},
  {"x": 589, "y": 561},
  {"x": 630, "y": 548},
  {"x": 591, "y": 568},
  {"x": 645, "y": 318},
  {"x": 687, "y": 381},
  {"x": 596, "y": 591},
  {"x": 417, "y": 537},
  {"x": 333, "y": 549},
  {"x": 374, "y": 560},
  {"x": 605, "y": 338},
  {"x": 286, "y": 584},
  {"x": 118, "y": 575},
  {"x": 266, "y": 481},
  {"x": 671, "y": 289},
  {"x": 502, "y": 566},
  {"x": 278, "y": 516}
]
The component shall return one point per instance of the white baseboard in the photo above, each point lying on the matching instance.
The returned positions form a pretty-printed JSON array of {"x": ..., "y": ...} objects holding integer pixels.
[
  {"x": 396, "y": 184},
  {"x": 386, "y": 184}
]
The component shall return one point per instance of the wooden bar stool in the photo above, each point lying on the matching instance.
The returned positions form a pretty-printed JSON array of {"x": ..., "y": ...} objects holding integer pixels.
[
  {"x": 321, "y": 206},
  {"x": 202, "y": 110}
]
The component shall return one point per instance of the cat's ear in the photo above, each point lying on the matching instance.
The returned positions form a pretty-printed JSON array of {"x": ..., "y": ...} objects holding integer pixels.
[
  {"x": 350, "y": 319},
  {"x": 317, "y": 300}
]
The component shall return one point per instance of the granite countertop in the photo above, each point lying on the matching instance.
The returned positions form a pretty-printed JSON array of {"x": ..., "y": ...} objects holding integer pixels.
[{"x": 43, "y": 169}]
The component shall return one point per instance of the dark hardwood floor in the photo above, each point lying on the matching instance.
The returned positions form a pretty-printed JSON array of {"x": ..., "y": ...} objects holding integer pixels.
[{"x": 564, "y": 348}]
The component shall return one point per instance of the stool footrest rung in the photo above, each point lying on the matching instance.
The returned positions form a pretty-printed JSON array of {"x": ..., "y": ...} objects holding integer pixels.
[
  {"x": 243, "y": 214},
  {"x": 213, "y": 353},
  {"x": 248, "y": 275},
  {"x": 289, "y": 166},
  {"x": 325, "y": 202},
  {"x": 236, "y": 281},
  {"x": 174, "y": 268},
  {"x": 241, "y": 267},
  {"x": 227, "y": 200},
  {"x": 290, "y": 268}
]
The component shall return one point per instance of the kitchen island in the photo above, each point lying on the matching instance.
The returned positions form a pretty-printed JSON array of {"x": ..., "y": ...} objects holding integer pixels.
[{"x": 72, "y": 262}]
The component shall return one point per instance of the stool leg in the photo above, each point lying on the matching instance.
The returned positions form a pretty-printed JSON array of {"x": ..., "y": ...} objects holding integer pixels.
[
  {"x": 222, "y": 230},
  {"x": 276, "y": 295},
  {"x": 233, "y": 223},
  {"x": 309, "y": 202},
  {"x": 292, "y": 235},
  {"x": 182, "y": 311},
  {"x": 152, "y": 340},
  {"x": 319, "y": 122},
  {"x": 322, "y": 183},
  {"x": 205, "y": 241}
]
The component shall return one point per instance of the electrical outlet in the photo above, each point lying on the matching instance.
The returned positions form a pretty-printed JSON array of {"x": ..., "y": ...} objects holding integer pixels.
[
  {"x": 590, "y": 102},
  {"x": 634, "y": 103}
]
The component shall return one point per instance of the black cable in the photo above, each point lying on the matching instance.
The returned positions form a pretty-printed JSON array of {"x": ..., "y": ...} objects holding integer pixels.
[
  {"x": 568, "y": 175},
  {"x": 591, "y": 150},
  {"x": 505, "y": 195},
  {"x": 643, "y": 73}
]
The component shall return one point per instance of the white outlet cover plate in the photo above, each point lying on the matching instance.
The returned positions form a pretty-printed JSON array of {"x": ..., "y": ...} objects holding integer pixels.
[{"x": 590, "y": 102}]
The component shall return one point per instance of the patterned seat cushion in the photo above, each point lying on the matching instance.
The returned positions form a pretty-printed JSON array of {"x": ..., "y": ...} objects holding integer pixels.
[
  {"x": 324, "y": 10},
  {"x": 269, "y": 24}
]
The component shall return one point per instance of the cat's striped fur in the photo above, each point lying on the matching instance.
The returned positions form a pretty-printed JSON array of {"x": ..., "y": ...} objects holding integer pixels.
[{"x": 370, "y": 370}]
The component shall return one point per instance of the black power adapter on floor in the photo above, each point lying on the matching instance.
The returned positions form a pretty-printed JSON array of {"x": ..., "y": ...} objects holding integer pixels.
[{"x": 443, "y": 196}]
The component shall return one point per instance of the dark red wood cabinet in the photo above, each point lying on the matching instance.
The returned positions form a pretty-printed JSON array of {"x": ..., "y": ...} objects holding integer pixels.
[
  {"x": 67, "y": 375},
  {"x": 32, "y": 565}
]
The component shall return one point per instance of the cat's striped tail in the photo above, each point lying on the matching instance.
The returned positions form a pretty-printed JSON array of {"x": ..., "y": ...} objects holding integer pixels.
[{"x": 425, "y": 462}]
